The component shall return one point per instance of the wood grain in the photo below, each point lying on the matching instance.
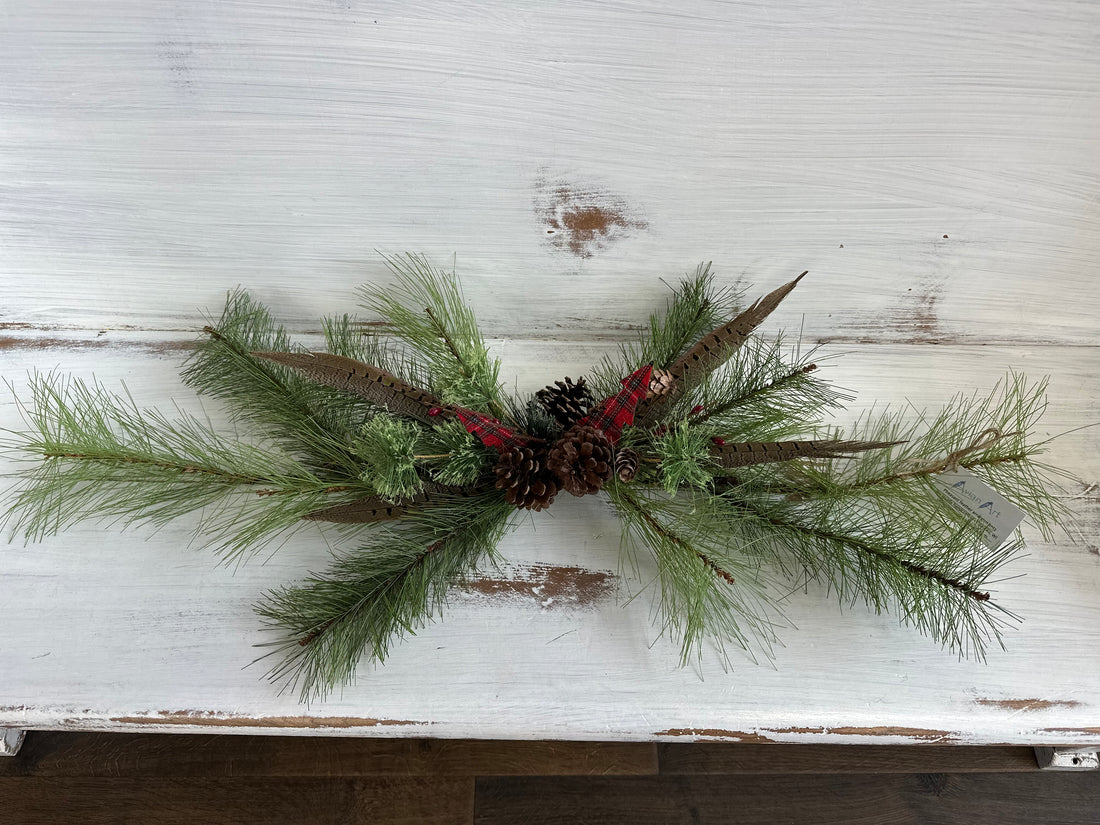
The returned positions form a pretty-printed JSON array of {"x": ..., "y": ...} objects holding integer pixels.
[
  {"x": 924, "y": 162},
  {"x": 239, "y": 801},
  {"x": 921, "y": 799},
  {"x": 747, "y": 758},
  {"x": 134, "y": 755}
]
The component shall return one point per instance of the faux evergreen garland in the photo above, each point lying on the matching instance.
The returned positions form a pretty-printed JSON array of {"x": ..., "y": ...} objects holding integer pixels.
[{"x": 706, "y": 439}]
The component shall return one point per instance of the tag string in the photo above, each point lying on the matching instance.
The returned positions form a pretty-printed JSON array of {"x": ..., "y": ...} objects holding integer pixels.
[{"x": 950, "y": 463}]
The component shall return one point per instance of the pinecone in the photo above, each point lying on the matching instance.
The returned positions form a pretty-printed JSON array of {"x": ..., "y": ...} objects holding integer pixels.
[
  {"x": 626, "y": 464},
  {"x": 581, "y": 459},
  {"x": 567, "y": 402},
  {"x": 525, "y": 480},
  {"x": 660, "y": 383}
]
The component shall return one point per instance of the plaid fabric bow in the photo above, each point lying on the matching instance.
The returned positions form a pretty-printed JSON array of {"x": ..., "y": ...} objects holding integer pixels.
[
  {"x": 617, "y": 412},
  {"x": 491, "y": 432}
]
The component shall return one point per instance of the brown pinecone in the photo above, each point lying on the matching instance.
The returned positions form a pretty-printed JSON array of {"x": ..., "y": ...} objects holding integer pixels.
[
  {"x": 567, "y": 402},
  {"x": 626, "y": 464},
  {"x": 525, "y": 480},
  {"x": 581, "y": 459},
  {"x": 660, "y": 383}
]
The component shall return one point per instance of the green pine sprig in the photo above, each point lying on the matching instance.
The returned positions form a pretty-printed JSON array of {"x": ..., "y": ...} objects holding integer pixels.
[
  {"x": 101, "y": 457},
  {"x": 381, "y": 592},
  {"x": 426, "y": 310}
]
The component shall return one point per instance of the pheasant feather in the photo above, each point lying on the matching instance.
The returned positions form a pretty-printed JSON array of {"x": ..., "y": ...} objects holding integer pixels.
[
  {"x": 714, "y": 349},
  {"x": 372, "y": 509},
  {"x": 374, "y": 384},
  {"x": 364, "y": 511}
]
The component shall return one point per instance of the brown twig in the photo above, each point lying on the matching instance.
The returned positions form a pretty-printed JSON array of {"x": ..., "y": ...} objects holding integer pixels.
[
  {"x": 865, "y": 547},
  {"x": 982, "y": 441},
  {"x": 665, "y": 533}
]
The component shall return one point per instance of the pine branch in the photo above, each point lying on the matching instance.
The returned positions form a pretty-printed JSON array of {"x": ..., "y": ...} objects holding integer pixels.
[
  {"x": 761, "y": 389},
  {"x": 861, "y": 545},
  {"x": 386, "y": 590},
  {"x": 104, "y": 458},
  {"x": 987, "y": 434},
  {"x": 694, "y": 307},
  {"x": 930, "y": 572},
  {"x": 705, "y": 592},
  {"x": 669, "y": 537},
  {"x": 301, "y": 416},
  {"x": 426, "y": 310},
  {"x": 748, "y": 396}
]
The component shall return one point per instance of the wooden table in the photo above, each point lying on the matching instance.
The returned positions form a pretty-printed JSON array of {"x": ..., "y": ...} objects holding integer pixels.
[{"x": 932, "y": 165}]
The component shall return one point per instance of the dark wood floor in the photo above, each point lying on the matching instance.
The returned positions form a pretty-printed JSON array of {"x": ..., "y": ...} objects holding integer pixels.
[{"x": 87, "y": 778}]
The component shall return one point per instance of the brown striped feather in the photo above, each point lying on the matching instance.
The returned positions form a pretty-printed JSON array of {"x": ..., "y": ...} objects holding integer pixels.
[
  {"x": 746, "y": 453},
  {"x": 714, "y": 348},
  {"x": 349, "y": 375},
  {"x": 364, "y": 511}
]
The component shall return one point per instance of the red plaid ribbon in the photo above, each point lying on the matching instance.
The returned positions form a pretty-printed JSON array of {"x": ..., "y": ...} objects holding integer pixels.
[
  {"x": 491, "y": 432},
  {"x": 617, "y": 412}
]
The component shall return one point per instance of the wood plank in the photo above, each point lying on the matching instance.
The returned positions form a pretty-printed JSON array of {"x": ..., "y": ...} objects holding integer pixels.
[
  {"x": 237, "y": 801},
  {"x": 903, "y": 799},
  {"x": 68, "y": 754},
  {"x": 845, "y": 676},
  {"x": 923, "y": 161},
  {"x": 748, "y": 758}
]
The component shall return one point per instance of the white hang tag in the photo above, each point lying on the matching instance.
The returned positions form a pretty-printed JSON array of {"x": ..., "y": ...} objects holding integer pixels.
[{"x": 974, "y": 497}]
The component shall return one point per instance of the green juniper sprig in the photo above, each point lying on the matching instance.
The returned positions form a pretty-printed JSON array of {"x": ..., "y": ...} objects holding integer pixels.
[{"x": 708, "y": 440}]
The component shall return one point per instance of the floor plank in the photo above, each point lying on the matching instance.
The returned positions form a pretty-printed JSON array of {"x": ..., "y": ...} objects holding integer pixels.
[
  {"x": 51, "y": 753},
  {"x": 85, "y": 801},
  {"x": 901, "y": 799},
  {"x": 745, "y": 758}
]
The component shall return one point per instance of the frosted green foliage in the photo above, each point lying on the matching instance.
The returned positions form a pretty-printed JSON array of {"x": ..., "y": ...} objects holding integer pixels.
[
  {"x": 454, "y": 456},
  {"x": 685, "y": 457},
  {"x": 388, "y": 446}
]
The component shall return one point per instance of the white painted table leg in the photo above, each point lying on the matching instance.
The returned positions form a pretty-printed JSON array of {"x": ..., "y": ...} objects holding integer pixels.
[
  {"x": 1068, "y": 759},
  {"x": 10, "y": 740}
]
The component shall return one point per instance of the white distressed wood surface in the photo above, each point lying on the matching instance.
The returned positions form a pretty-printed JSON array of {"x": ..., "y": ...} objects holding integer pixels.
[{"x": 568, "y": 155}]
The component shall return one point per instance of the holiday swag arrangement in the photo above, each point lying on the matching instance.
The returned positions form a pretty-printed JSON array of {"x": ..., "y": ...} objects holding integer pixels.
[{"x": 705, "y": 438}]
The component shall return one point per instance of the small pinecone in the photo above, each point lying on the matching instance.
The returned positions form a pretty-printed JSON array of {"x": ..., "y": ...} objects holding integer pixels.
[
  {"x": 526, "y": 482},
  {"x": 626, "y": 464},
  {"x": 567, "y": 402},
  {"x": 581, "y": 459},
  {"x": 660, "y": 383}
]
